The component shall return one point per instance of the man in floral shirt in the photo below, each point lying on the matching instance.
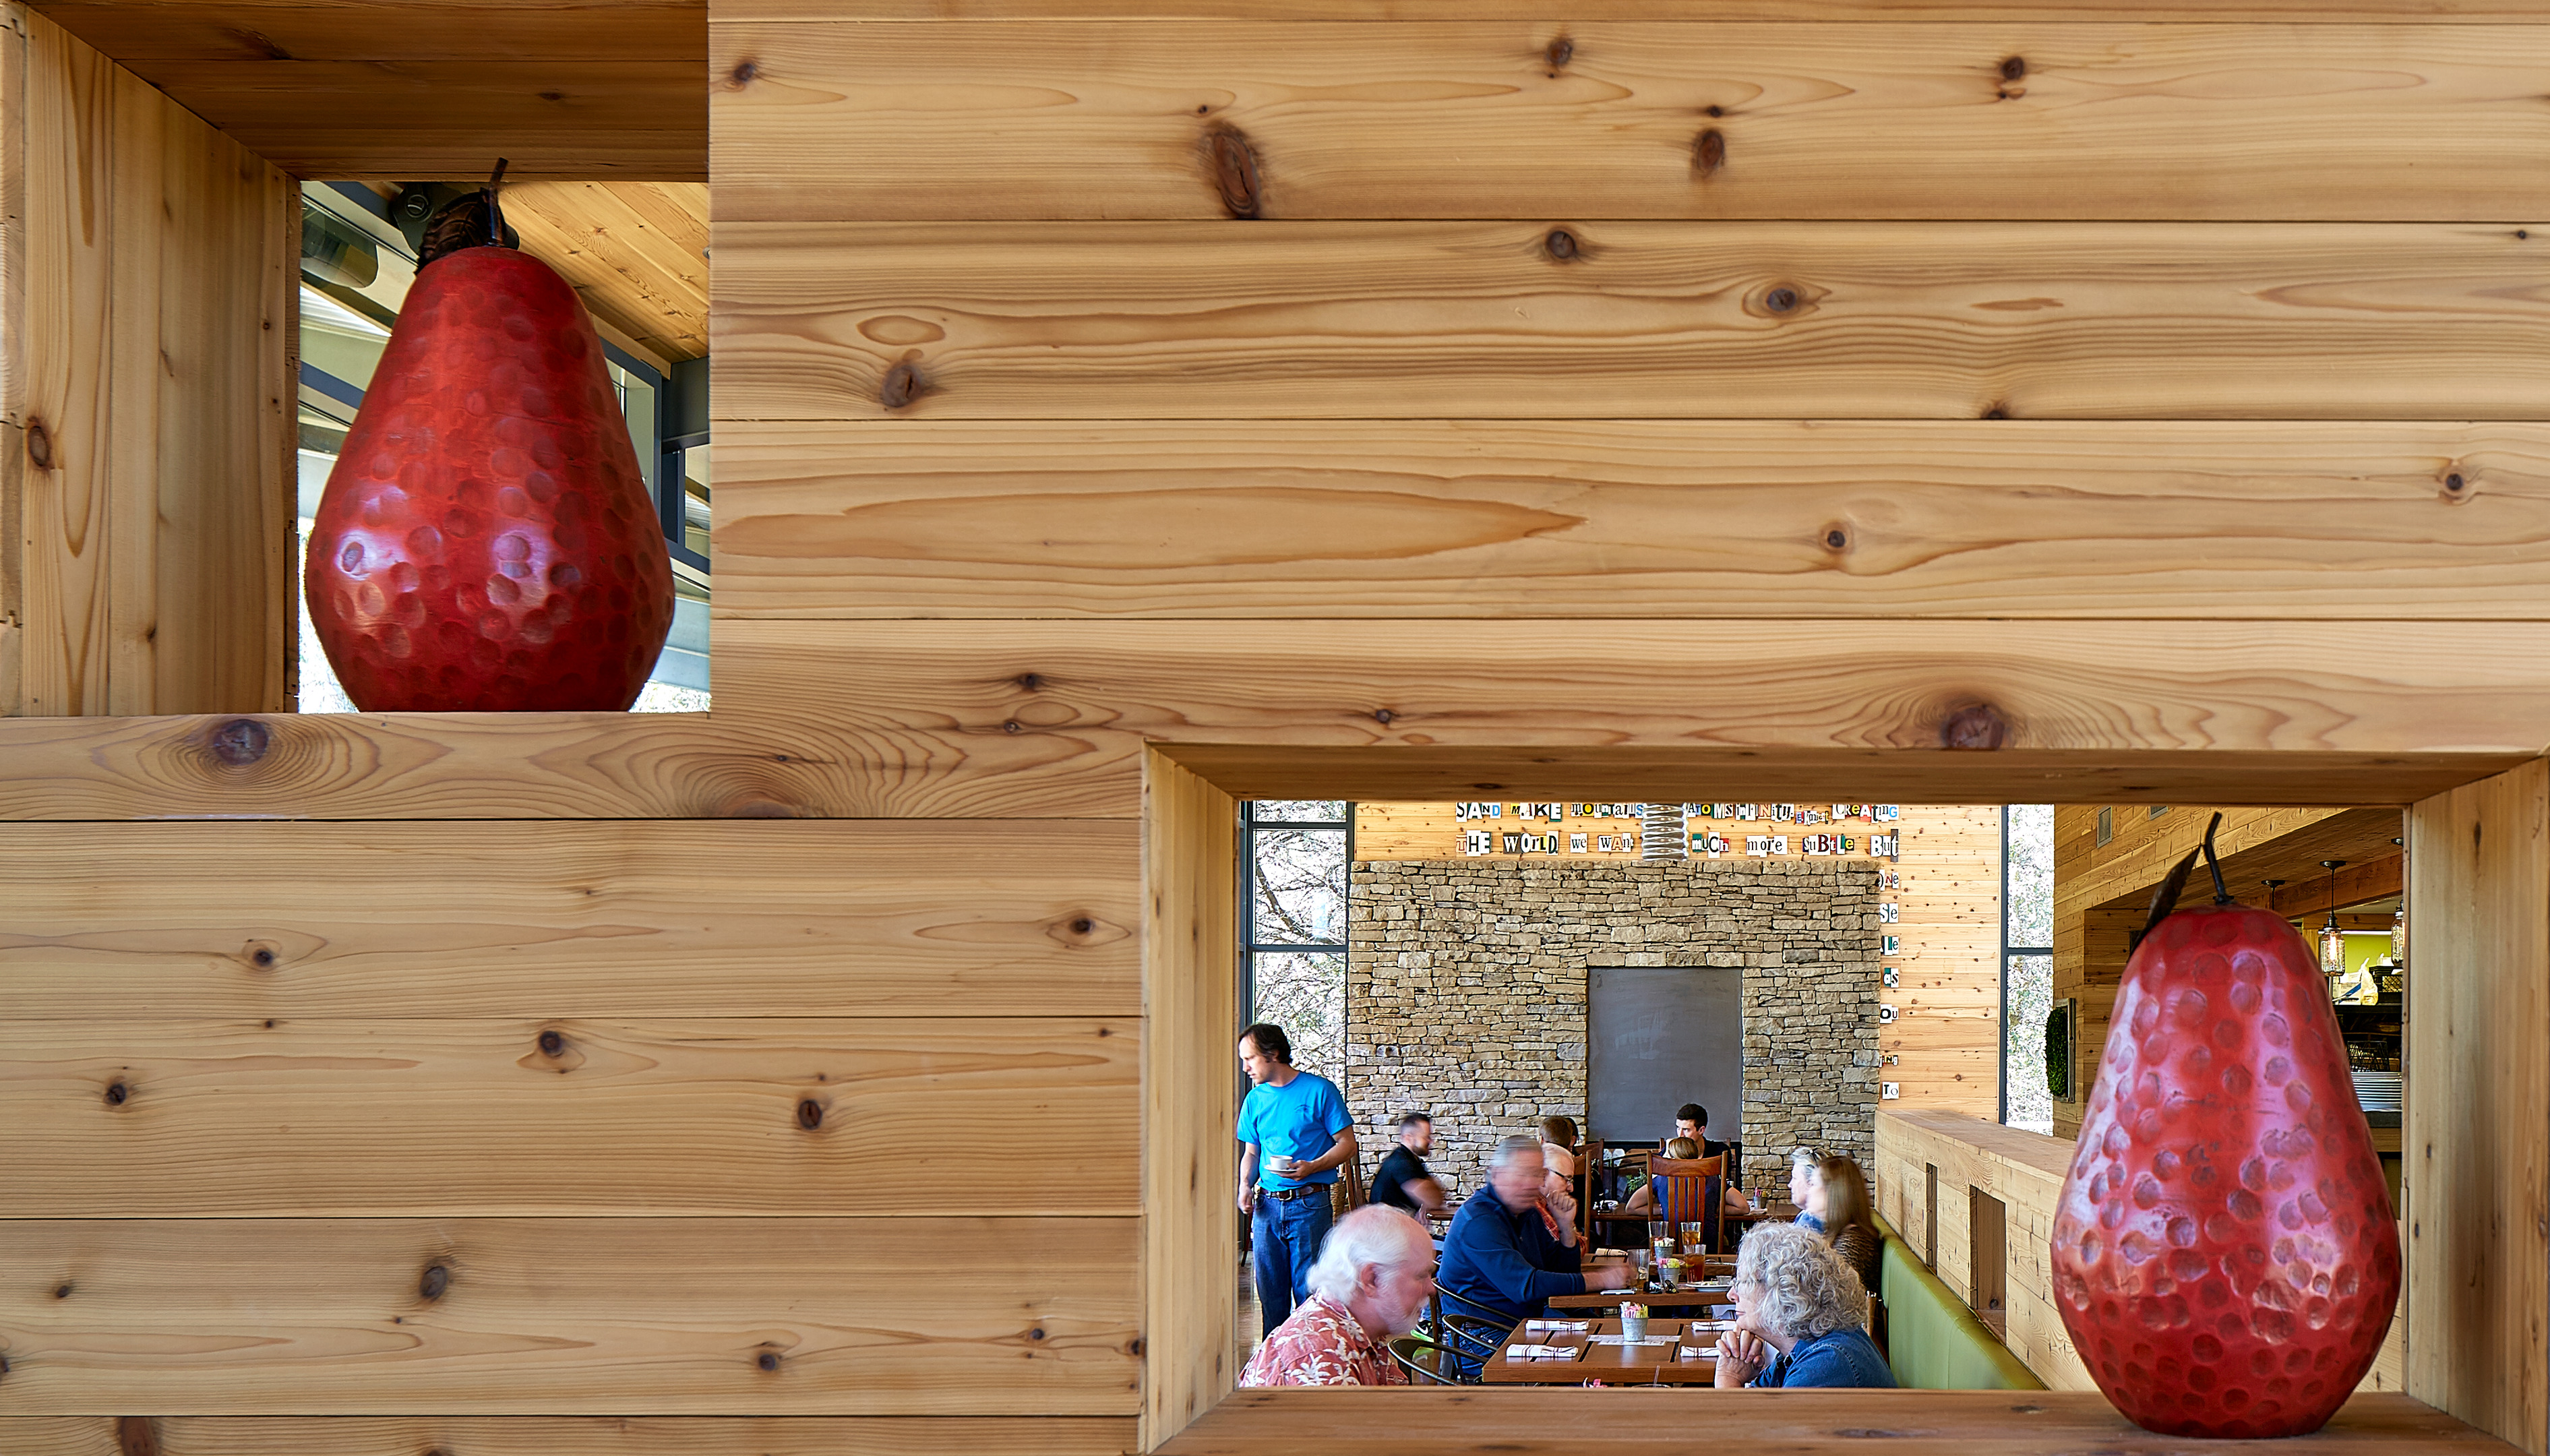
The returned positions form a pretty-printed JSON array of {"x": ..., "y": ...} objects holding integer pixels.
[{"x": 1371, "y": 1281}]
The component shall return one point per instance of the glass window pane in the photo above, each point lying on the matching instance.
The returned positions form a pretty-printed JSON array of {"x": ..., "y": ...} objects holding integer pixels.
[
  {"x": 1300, "y": 887},
  {"x": 2031, "y": 875},
  {"x": 1331, "y": 810},
  {"x": 2031, "y": 1000},
  {"x": 1305, "y": 994}
]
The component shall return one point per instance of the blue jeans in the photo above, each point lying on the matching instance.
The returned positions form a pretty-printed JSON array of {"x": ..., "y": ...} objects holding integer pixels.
[{"x": 1284, "y": 1237}]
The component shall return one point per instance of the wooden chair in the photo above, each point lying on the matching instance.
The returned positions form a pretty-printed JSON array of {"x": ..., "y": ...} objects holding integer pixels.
[{"x": 1691, "y": 1191}]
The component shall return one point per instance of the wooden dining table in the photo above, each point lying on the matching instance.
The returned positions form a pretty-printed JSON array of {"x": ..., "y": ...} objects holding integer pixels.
[
  {"x": 1699, "y": 1296},
  {"x": 1596, "y": 1353}
]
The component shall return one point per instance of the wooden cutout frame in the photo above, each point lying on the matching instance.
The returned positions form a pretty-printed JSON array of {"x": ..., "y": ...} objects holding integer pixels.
[{"x": 2479, "y": 1252}]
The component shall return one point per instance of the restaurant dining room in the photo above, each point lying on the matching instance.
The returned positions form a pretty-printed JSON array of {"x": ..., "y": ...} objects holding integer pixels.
[{"x": 1378, "y": 728}]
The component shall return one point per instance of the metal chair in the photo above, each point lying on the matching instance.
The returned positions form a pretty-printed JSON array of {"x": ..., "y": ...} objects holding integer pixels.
[{"x": 1425, "y": 1362}]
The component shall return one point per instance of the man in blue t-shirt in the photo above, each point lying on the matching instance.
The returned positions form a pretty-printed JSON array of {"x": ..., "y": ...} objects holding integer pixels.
[{"x": 1294, "y": 1135}]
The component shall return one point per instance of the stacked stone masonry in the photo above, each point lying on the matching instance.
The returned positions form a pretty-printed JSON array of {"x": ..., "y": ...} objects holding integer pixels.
[{"x": 1465, "y": 992}]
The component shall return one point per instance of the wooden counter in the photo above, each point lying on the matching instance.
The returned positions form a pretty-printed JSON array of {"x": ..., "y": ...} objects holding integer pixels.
[{"x": 1525, "y": 1421}]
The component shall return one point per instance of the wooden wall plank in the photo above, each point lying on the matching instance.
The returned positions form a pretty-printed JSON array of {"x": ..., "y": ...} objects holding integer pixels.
[
  {"x": 424, "y": 118},
  {"x": 567, "y": 1435},
  {"x": 159, "y": 564},
  {"x": 988, "y": 717},
  {"x": 1191, "y": 1227},
  {"x": 861, "y": 918},
  {"x": 221, "y": 524},
  {"x": 139, "y": 33},
  {"x": 2477, "y": 1134},
  {"x": 66, "y": 354},
  {"x": 273, "y": 1317},
  {"x": 620, "y": 766},
  {"x": 326, "y": 1118},
  {"x": 1727, "y": 320},
  {"x": 1041, "y": 120},
  {"x": 1787, "y": 12},
  {"x": 1616, "y": 518}
]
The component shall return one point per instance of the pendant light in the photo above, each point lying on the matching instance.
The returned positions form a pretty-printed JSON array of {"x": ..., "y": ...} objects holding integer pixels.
[{"x": 2332, "y": 942}]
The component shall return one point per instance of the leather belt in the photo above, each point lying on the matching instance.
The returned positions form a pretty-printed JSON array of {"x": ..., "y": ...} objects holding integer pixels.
[{"x": 1287, "y": 1195}]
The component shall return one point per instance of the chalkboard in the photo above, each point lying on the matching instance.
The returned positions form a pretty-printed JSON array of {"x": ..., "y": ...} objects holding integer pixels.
[{"x": 1659, "y": 1036}]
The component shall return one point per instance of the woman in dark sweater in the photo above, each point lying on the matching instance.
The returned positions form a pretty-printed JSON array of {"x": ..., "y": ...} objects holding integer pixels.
[{"x": 1850, "y": 1223}]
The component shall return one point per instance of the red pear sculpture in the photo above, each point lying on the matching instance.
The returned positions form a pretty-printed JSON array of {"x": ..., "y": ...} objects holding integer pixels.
[
  {"x": 2224, "y": 1253},
  {"x": 486, "y": 542}
]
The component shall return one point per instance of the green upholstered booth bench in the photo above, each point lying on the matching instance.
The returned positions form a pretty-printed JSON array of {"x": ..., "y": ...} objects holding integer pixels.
[{"x": 1932, "y": 1341}]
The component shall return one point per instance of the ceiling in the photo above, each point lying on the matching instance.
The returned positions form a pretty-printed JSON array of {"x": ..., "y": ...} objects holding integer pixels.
[
  {"x": 427, "y": 90},
  {"x": 638, "y": 253}
]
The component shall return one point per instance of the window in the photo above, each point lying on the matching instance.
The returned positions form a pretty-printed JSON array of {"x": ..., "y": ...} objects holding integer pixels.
[
  {"x": 1293, "y": 965},
  {"x": 356, "y": 266},
  {"x": 2027, "y": 963}
]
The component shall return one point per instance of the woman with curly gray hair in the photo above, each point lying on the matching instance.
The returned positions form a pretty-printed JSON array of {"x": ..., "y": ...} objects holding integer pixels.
[{"x": 1798, "y": 1315}]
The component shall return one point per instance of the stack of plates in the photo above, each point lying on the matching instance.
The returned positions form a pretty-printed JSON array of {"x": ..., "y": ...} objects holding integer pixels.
[{"x": 2377, "y": 1091}]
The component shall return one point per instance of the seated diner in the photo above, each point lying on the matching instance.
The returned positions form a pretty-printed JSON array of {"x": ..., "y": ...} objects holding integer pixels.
[
  {"x": 1849, "y": 1217},
  {"x": 1800, "y": 1318},
  {"x": 1368, "y": 1286},
  {"x": 1500, "y": 1255}
]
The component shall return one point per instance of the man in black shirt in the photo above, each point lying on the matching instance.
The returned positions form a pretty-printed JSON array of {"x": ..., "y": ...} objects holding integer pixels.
[
  {"x": 1403, "y": 1181},
  {"x": 1691, "y": 1121}
]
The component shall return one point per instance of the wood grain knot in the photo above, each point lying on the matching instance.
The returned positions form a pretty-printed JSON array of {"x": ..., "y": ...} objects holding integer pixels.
[
  {"x": 262, "y": 955},
  {"x": 1031, "y": 681},
  {"x": 767, "y": 1360},
  {"x": 61, "y": 1291},
  {"x": 552, "y": 1043},
  {"x": 1709, "y": 153},
  {"x": 1977, "y": 725},
  {"x": 1997, "y": 412},
  {"x": 1234, "y": 171},
  {"x": 1136, "y": 1348},
  {"x": 1036, "y": 1334},
  {"x": 2013, "y": 68},
  {"x": 903, "y": 384},
  {"x": 1383, "y": 715},
  {"x": 1780, "y": 299},
  {"x": 1560, "y": 52},
  {"x": 809, "y": 1114},
  {"x": 745, "y": 72},
  {"x": 241, "y": 742},
  {"x": 1836, "y": 539},
  {"x": 39, "y": 446},
  {"x": 1561, "y": 244},
  {"x": 117, "y": 1094},
  {"x": 431, "y": 1284},
  {"x": 1013, "y": 727},
  {"x": 2457, "y": 488},
  {"x": 1083, "y": 926},
  {"x": 136, "y": 1435}
]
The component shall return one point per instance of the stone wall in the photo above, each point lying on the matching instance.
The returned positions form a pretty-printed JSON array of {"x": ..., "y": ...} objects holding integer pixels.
[{"x": 1465, "y": 991}]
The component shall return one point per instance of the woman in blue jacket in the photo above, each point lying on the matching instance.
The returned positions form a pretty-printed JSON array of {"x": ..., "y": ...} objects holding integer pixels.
[{"x": 1799, "y": 1314}]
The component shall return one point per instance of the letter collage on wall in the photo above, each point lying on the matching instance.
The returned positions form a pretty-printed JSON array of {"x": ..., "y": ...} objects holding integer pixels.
[{"x": 1548, "y": 830}]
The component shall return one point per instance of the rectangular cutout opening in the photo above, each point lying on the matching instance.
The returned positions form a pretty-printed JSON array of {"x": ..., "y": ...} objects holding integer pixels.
[{"x": 1988, "y": 1254}]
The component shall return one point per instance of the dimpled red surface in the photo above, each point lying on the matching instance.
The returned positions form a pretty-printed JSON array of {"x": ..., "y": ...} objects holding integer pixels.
[
  {"x": 2224, "y": 1254},
  {"x": 486, "y": 542}
]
